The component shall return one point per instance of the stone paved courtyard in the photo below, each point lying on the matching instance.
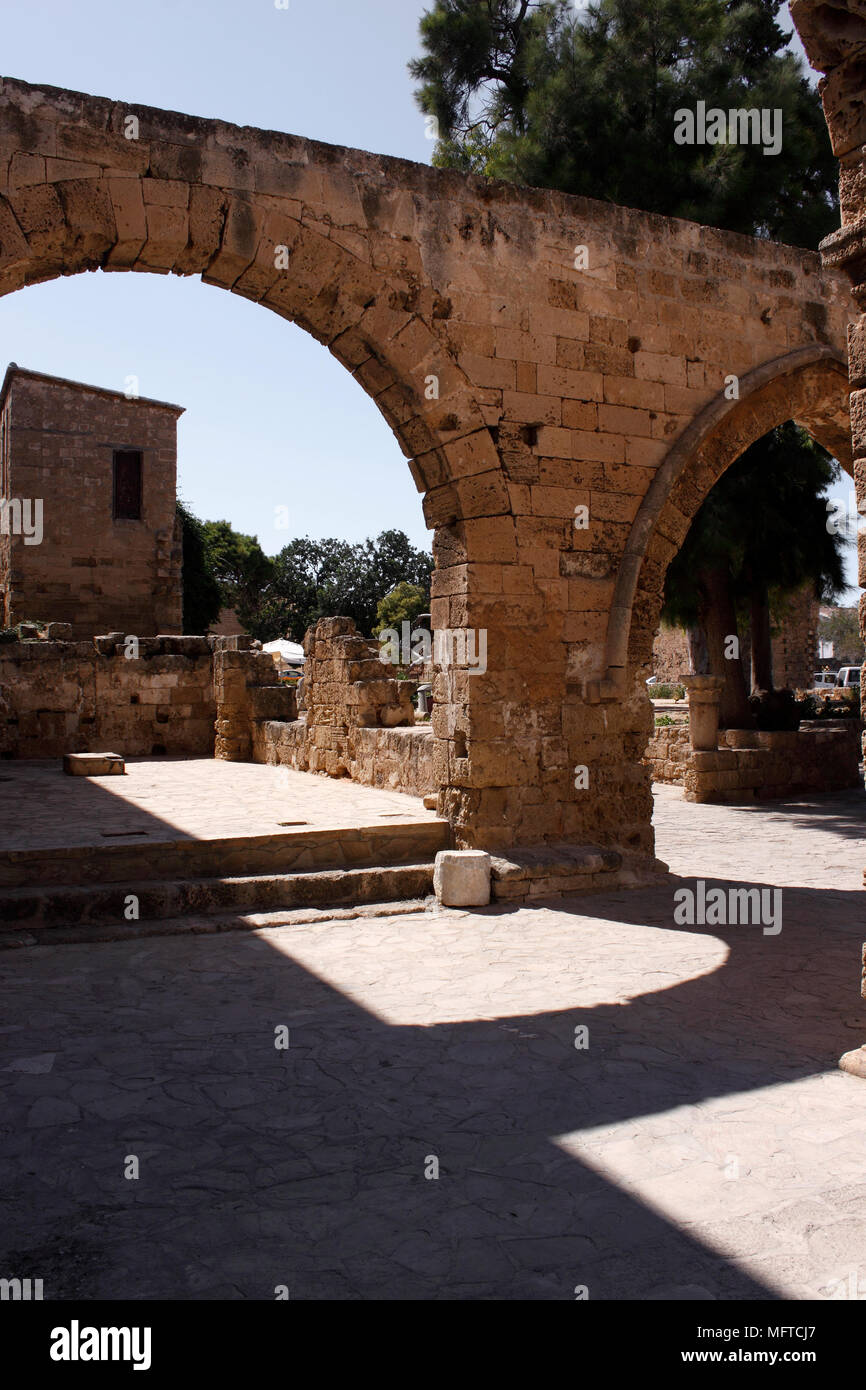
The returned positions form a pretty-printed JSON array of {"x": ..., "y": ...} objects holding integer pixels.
[
  {"x": 179, "y": 798},
  {"x": 702, "y": 1145}
]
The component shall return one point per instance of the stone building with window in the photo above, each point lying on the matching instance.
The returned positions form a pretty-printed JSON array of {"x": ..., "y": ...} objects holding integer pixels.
[{"x": 88, "y": 483}]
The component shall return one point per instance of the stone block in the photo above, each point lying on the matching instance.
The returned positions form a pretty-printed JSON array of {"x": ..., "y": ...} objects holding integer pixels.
[
  {"x": 461, "y": 878},
  {"x": 273, "y": 702},
  {"x": 94, "y": 764}
]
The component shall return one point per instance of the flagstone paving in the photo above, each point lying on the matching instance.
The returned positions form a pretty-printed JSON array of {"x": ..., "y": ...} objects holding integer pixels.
[
  {"x": 701, "y": 1143},
  {"x": 180, "y": 798}
]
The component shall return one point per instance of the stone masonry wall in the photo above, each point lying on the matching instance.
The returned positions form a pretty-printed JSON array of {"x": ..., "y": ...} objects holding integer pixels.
[
  {"x": 834, "y": 38},
  {"x": 399, "y": 760},
  {"x": 96, "y": 572},
  {"x": 822, "y": 756},
  {"x": 81, "y": 697},
  {"x": 795, "y": 647},
  {"x": 670, "y": 654},
  {"x": 359, "y": 721},
  {"x": 668, "y": 753},
  {"x": 346, "y": 688},
  {"x": 246, "y": 694}
]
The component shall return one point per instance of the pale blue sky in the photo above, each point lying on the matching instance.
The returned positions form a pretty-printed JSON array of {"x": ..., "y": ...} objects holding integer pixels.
[{"x": 272, "y": 419}]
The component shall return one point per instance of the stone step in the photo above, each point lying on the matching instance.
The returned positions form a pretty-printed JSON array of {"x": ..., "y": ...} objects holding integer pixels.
[
  {"x": 62, "y": 906},
  {"x": 206, "y": 925},
  {"x": 397, "y": 841},
  {"x": 552, "y": 870}
]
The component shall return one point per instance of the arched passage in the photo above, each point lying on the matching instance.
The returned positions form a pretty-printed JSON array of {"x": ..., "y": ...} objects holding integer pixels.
[
  {"x": 271, "y": 224},
  {"x": 522, "y": 389},
  {"x": 810, "y": 386}
]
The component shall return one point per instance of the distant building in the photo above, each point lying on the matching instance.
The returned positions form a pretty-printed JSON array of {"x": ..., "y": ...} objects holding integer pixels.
[
  {"x": 228, "y": 624},
  {"x": 88, "y": 484}
]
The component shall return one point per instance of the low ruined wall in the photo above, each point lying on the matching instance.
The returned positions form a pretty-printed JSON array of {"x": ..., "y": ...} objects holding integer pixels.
[
  {"x": 822, "y": 756},
  {"x": 347, "y": 688},
  {"x": 668, "y": 753},
  {"x": 247, "y": 692},
  {"x": 282, "y": 743},
  {"x": 399, "y": 760},
  {"x": 359, "y": 721},
  {"x": 61, "y": 697}
]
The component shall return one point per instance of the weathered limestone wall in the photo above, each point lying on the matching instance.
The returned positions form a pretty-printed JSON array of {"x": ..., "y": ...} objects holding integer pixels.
[
  {"x": 80, "y": 697},
  {"x": 795, "y": 648},
  {"x": 834, "y": 37},
  {"x": 246, "y": 694},
  {"x": 668, "y": 753},
  {"x": 822, "y": 756},
  {"x": 670, "y": 658},
  {"x": 346, "y": 688},
  {"x": 359, "y": 721},
  {"x": 399, "y": 760},
  {"x": 96, "y": 572},
  {"x": 281, "y": 742},
  {"x": 563, "y": 413}
]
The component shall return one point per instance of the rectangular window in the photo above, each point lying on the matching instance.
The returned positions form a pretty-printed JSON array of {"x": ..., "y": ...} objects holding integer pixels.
[{"x": 127, "y": 485}]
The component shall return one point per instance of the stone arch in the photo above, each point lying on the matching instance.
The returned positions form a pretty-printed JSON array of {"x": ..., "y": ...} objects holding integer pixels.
[
  {"x": 557, "y": 390},
  {"x": 385, "y": 326},
  {"x": 809, "y": 385},
  {"x": 383, "y": 330}
]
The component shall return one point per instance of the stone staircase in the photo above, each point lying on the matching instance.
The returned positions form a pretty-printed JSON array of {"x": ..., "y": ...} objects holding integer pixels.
[{"x": 141, "y": 887}]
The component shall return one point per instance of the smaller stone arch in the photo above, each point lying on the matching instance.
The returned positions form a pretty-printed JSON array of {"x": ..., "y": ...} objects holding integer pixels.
[{"x": 809, "y": 385}]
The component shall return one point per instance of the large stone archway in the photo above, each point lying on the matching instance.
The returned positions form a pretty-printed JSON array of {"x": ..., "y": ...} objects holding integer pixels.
[
  {"x": 809, "y": 385},
  {"x": 536, "y": 355}
]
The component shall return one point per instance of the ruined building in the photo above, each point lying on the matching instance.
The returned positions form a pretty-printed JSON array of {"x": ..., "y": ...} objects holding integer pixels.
[{"x": 87, "y": 507}]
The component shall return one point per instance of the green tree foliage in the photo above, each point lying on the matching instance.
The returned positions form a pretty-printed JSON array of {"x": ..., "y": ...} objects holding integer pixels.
[
  {"x": 319, "y": 579},
  {"x": 762, "y": 532},
  {"x": 585, "y": 101},
  {"x": 402, "y": 605},
  {"x": 239, "y": 565},
  {"x": 202, "y": 597},
  {"x": 842, "y": 628}
]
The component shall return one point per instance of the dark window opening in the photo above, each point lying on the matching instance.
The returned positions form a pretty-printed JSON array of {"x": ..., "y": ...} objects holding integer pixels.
[{"x": 127, "y": 485}]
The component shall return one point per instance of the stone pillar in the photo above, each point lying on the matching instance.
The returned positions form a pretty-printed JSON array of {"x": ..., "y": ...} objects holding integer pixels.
[
  {"x": 834, "y": 37},
  {"x": 705, "y": 694}
]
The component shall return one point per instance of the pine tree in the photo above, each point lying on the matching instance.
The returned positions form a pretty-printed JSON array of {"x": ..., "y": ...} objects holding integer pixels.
[
  {"x": 762, "y": 532},
  {"x": 586, "y": 102}
]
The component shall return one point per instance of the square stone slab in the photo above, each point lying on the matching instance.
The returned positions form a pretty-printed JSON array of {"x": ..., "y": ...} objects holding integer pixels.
[{"x": 94, "y": 764}]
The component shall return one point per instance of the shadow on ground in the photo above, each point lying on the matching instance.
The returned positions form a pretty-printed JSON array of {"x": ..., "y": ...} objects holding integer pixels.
[{"x": 305, "y": 1167}]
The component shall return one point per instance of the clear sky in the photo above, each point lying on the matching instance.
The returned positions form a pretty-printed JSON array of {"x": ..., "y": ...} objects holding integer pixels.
[{"x": 272, "y": 419}]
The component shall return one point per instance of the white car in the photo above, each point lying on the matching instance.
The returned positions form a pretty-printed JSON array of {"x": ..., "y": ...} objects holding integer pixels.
[
  {"x": 824, "y": 680},
  {"x": 848, "y": 675}
]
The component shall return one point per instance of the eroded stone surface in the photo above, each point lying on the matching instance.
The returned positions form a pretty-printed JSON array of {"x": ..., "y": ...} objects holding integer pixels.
[{"x": 461, "y": 878}]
